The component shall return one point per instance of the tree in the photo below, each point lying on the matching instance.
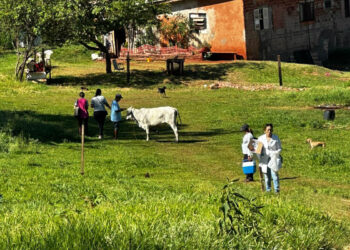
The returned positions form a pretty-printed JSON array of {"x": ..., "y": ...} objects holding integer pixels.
[
  {"x": 93, "y": 19},
  {"x": 6, "y": 39},
  {"x": 32, "y": 23},
  {"x": 36, "y": 22}
]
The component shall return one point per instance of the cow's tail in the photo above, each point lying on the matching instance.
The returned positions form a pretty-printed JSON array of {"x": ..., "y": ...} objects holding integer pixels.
[{"x": 178, "y": 115}]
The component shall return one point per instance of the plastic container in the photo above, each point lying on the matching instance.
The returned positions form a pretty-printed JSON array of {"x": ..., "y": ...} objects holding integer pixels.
[
  {"x": 329, "y": 115},
  {"x": 249, "y": 167}
]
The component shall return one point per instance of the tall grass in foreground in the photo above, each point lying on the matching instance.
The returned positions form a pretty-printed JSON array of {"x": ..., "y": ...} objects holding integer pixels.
[
  {"x": 16, "y": 144},
  {"x": 276, "y": 224},
  {"x": 128, "y": 217}
]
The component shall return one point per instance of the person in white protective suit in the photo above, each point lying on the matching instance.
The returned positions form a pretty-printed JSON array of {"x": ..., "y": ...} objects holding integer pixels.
[{"x": 270, "y": 158}]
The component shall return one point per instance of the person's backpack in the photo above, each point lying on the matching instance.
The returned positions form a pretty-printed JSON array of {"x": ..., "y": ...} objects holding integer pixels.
[{"x": 76, "y": 109}]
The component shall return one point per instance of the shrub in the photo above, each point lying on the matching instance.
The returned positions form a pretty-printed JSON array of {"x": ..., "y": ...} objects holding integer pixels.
[
  {"x": 5, "y": 40},
  {"x": 176, "y": 30},
  {"x": 240, "y": 216}
]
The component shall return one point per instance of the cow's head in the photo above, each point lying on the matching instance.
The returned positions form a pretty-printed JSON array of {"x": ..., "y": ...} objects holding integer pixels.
[{"x": 129, "y": 114}]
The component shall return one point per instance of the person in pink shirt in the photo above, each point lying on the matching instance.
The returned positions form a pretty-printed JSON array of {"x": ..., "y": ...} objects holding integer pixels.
[{"x": 83, "y": 114}]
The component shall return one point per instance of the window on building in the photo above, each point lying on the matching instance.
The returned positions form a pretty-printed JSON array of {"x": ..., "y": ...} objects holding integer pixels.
[
  {"x": 199, "y": 21},
  {"x": 327, "y": 4},
  {"x": 347, "y": 8},
  {"x": 307, "y": 11},
  {"x": 261, "y": 19}
]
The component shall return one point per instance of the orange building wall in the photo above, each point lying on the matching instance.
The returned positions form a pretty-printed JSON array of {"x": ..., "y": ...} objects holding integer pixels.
[
  {"x": 225, "y": 24},
  {"x": 228, "y": 28}
]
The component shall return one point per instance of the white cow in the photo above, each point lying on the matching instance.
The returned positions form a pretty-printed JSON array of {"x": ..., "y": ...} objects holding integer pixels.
[{"x": 146, "y": 117}]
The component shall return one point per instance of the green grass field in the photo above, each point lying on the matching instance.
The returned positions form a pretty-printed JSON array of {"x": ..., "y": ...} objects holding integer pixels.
[{"x": 165, "y": 195}]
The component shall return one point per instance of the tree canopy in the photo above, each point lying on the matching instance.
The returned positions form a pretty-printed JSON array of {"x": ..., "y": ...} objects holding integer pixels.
[
  {"x": 90, "y": 20},
  {"x": 32, "y": 22}
]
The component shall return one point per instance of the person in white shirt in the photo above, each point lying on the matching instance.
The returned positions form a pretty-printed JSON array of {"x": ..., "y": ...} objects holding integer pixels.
[
  {"x": 98, "y": 103},
  {"x": 247, "y": 153},
  {"x": 270, "y": 159}
]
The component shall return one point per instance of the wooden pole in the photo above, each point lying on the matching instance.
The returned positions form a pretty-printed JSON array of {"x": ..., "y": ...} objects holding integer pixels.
[
  {"x": 43, "y": 57},
  {"x": 82, "y": 148},
  {"x": 261, "y": 179},
  {"x": 279, "y": 69},
  {"x": 128, "y": 68}
]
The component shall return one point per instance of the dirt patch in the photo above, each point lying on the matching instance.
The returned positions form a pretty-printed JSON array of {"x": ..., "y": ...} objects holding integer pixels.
[
  {"x": 221, "y": 84},
  {"x": 290, "y": 108}
]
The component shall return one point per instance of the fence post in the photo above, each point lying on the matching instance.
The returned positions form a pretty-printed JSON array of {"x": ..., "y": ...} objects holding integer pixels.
[
  {"x": 82, "y": 148},
  {"x": 128, "y": 68},
  {"x": 43, "y": 57},
  {"x": 279, "y": 69}
]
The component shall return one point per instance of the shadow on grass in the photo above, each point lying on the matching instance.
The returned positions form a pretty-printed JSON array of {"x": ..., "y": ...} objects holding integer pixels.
[
  {"x": 7, "y": 52},
  {"x": 49, "y": 128},
  {"x": 164, "y": 134},
  {"x": 181, "y": 141},
  {"x": 148, "y": 78},
  {"x": 289, "y": 178}
]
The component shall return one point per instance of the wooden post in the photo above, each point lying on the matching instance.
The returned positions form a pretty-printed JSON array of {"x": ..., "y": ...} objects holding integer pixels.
[
  {"x": 82, "y": 148},
  {"x": 261, "y": 179},
  {"x": 279, "y": 69},
  {"x": 168, "y": 66},
  {"x": 128, "y": 68},
  {"x": 43, "y": 57}
]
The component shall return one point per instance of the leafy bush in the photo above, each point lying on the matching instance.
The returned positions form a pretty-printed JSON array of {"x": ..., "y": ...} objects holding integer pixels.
[
  {"x": 5, "y": 40},
  {"x": 176, "y": 30},
  {"x": 240, "y": 216}
]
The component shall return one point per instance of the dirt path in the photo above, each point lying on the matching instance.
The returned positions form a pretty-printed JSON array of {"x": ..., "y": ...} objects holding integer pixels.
[{"x": 222, "y": 84}]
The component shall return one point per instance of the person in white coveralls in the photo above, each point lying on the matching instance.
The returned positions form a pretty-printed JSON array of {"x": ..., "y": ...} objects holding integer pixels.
[{"x": 270, "y": 158}]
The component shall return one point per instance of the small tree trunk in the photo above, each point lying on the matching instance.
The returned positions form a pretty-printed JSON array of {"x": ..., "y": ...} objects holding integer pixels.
[
  {"x": 18, "y": 56},
  {"x": 108, "y": 63},
  {"x": 22, "y": 67},
  {"x": 21, "y": 70},
  {"x": 27, "y": 54},
  {"x": 102, "y": 48},
  {"x": 17, "y": 66}
]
